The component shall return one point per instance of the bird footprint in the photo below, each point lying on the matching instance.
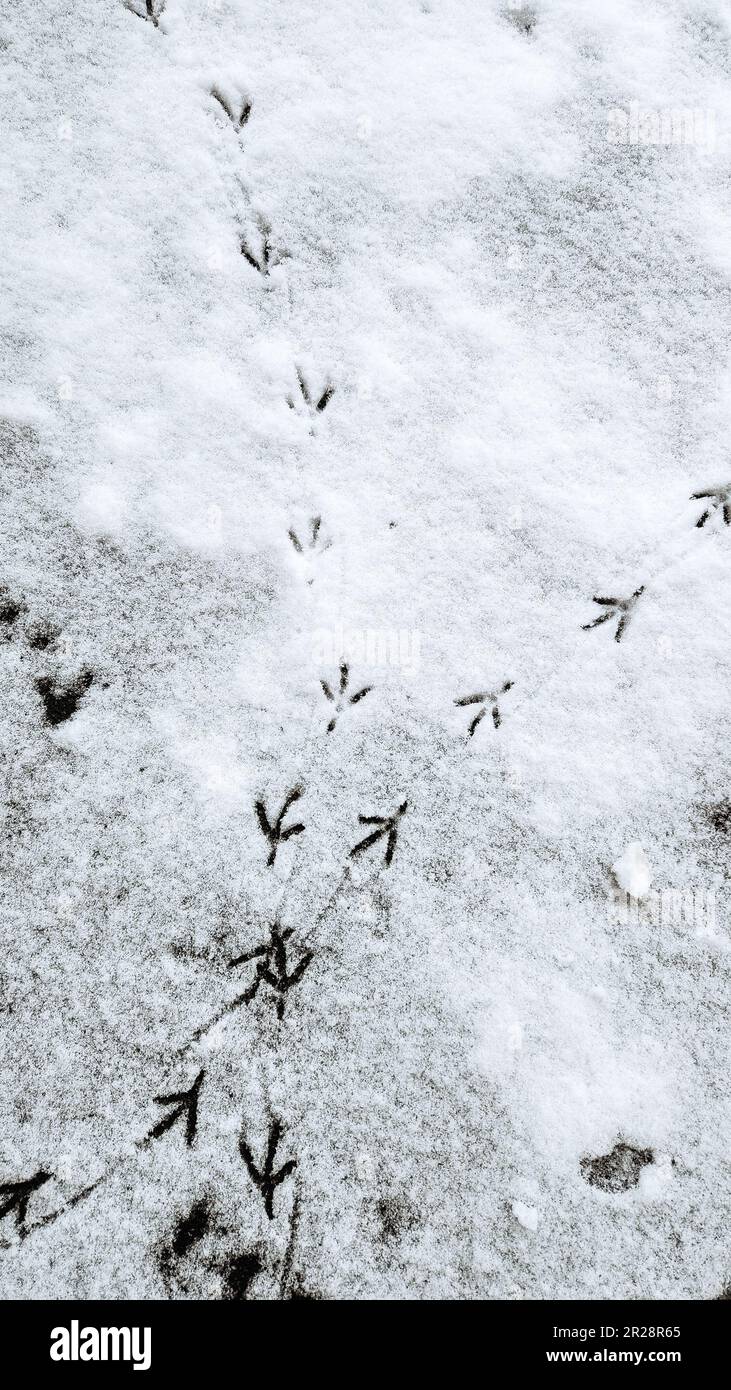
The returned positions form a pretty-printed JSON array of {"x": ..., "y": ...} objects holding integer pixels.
[
  {"x": 153, "y": 10},
  {"x": 274, "y": 831},
  {"x": 238, "y": 114},
  {"x": 314, "y": 541},
  {"x": 715, "y": 497},
  {"x": 484, "y": 698},
  {"x": 267, "y": 1178},
  {"x": 616, "y": 608},
  {"x": 185, "y": 1107},
  {"x": 15, "y": 1197},
  {"x": 273, "y": 967},
  {"x": 386, "y": 825},
  {"x": 342, "y": 699},
  {"x": 315, "y": 402},
  {"x": 263, "y": 256}
]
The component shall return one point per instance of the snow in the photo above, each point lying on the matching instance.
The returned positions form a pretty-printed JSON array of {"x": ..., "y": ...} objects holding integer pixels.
[
  {"x": 633, "y": 872},
  {"x": 527, "y": 1216},
  {"x": 526, "y": 325},
  {"x": 655, "y": 1179}
]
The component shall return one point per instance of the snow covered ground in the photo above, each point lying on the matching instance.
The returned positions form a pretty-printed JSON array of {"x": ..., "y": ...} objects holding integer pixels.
[{"x": 384, "y": 336}]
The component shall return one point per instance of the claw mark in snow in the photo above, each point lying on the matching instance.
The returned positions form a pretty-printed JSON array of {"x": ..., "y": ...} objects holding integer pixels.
[
  {"x": 715, "y": 497},
  {"x": 313, "y": 542},
  {"x": 343, "y": 699},
  {"x": 153, "y": 11},
  {"x": 387, "y": 825},
  {"x": 15, "y": 1197},
  {"x": 275, "y": 833},
  {"x": 313, "y": 545},
  {"x": 266, "y": 1179},
  {"x": 616, "y": 608},
  {"x": 186, "y": 1104},
  {"x": 485, "y": 698},
  {"x": 315, "y": 403},
  {"x": 239, "y": 118},
  {"x": 272, "y": 966},
  {"x": 265, "y": 258}
]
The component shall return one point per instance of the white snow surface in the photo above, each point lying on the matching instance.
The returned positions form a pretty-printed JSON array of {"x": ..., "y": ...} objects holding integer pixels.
[
  {"x": 633, "y": 872},
  {"x": 527, "y": 1216},
  {"x": 527, "y": 329}
]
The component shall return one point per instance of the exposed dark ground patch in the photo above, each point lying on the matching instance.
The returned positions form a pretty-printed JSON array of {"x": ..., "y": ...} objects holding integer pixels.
[
  {"x": 617, "y": 1171},
  {"x": 61, "y": 702}
]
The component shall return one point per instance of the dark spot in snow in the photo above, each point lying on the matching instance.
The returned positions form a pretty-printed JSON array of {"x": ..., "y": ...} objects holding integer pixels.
[
  {"x": 438, "y": 871},
  {"x": 41, "y": 636},
  {"x": 239, "y": 1273},
  {"x": 396, "y": 1216},
  {"x": 190, "y": 1229},
  {"x": 523, "y": 15},
  {"x": 188, "y": 1232},
  {"x": 617, "y": 1171},
  {"x": 720, "y": 817},
  {"x": 62, "y": 702},
  {"x": 299, "y": 1293},
  {"x": 10, "y": 609}
]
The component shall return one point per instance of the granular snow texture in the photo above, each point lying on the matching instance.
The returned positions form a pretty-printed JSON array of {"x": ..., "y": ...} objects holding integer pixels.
[{"x": 357, "y": 358}]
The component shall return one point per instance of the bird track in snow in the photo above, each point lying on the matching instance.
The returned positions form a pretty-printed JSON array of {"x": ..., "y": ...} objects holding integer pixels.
[
  {"x": 275, "y": 831},
  {"x": 267, "y": 1178},
  {"x": 238, "y": 115},
  {"x": 717, "y": 498},
  {"x": 315, "y": 402},
  {"x": 186, "y": 1106},
  {"x": 621, "y": 608},
  {"x": 484, "y": 699},
  {"x": 341, "y": 700},
  {"x": 386, "y": 825},
  {"x": 262, "y": 255},
  {"x": 312, "y": 546},
  {"x": 152, "y": 12},
  {"x": 272, "y": 966}
]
